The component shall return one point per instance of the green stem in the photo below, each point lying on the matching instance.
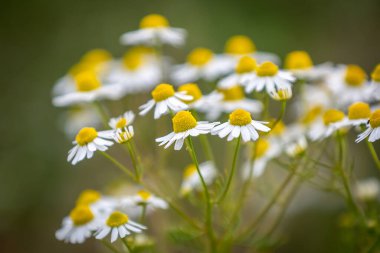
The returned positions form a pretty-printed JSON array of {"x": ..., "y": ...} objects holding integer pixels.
[
  {"x": 135, "y": 163},
  {"x": 125, "y": 242},
  {"x": 102, "y": 113},
  {"x": 205, "y": 142},
  {"x": 110, "y": 246},
  {"x": 282, "y": 113},
  {"x": 373, "y": 153},
  {"x": 143, "y": 212},
  {"x": 119, "y": 165},
  {"x": 232, "y": 172},
  {"x": 266, "y": 107},
  {"x": 210, "y": 232}
]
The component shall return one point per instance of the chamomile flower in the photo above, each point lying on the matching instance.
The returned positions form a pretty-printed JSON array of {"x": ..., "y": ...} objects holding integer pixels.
[
  {"x": 155, "y": 30},
  {"x": 119, "y": 225},
  {"x": 368, "y": 189},
  {"x": 269, "y": 77},
  {"x": 145, "y": 198},
  {"x": 101, "y": 204},
  {"x": 324, "y": 128},
  {"x": 282, "y": 94},
  {"x": 358, "y": 114},
  {"x": 240, "y": 123},
  {"x": 77, "y": 117},
  {"x": 191, "y": 180},
  {"x": 184, "y": 125},
  {"x": 88, "y": 88},
  {"x": 374, "y": 87},
  {"x": 201, "y": 64},
  {"x": 87, "y": 141},
  {"x": 121, "y": 123},
  {"x": 165, "y": 99},
  {"x": 296, "y": 147},
  {"x": 79, "y": 225},
  {"x": 198, "y": 101},
  {"x": 373, "y": 128},
  {"x": 244, "y": 71}
]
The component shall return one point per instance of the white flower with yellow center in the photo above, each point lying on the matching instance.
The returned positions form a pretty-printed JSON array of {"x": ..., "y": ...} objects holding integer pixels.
[
  {"x": 79, "y": 225},
  {"x": 191, "y": 180},
  {"x": 123, "y": 130},
  {"x": 324, "y": 128},
  {"x": 145, "y": 198},
  {"x": 296, "y": 147},
  {"x": 368, "y": 189},
  {"x": 100, "y": 204},
  {"x": 358, "y": 114},
  {"x": 348, "y": 84},
  {"x": 226, "y": 100},
  {"x": 198, "y": 101},
  {"x": 154, "y": 31},
  {"x": 165, "y": 99},
  {"x": 185, "y": 125},
  {"x": 87, "y": 141},
  {"x": 269, "y": 77},
  {"x": 373, "y": 128},
  {"x": 201, "y": 64},
  {"x": 118, "y": 225},
  {"x": 76, "y": 117},
  {"x": 240, "y": 123},
  {"x": 374, "y": 88},
  {"x": 88, "y": 88},
  {"x": 244, "y": 71},
  {"x": 138, "y": 70}
]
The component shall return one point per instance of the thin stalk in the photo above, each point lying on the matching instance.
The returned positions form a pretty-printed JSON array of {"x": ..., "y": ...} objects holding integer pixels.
[
  {"x": 232, "y": 172},
  {"x": 373, "y": 153},
  {"x": 183, "y": 215},
  {"x": 125, "y": 242},
  {"x": 210, "y": 232},
  {"x": 135, "y": 163},
  {"x": 119, "y": 165},
  {"x": 143, "y": 212},
  {"x": 282, "y": 113},
  {"x": 266, "y": 107},
  {"x": 102, "y": 113},
  {"x": 110, "y": 246},
  {"x": 206, "y": 146}
]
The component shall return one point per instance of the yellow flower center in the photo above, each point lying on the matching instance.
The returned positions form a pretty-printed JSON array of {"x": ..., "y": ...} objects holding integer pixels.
[
  {"x": 262, "y": 146},
  {"x": 96, "y": 56},
  {"x": 154, "y": 21},
  {"x": 162, "y": 91},
  {"x": 240, "y": 45},
  {"x": 246, "y": 64},
  {"x": 240, "y": 117},
  {"x": 183, "y": 121},
  {"x": 233, "y": 93},
  {"x": 122, "y": 122},
  {"x": 86, "y": 135},
  {"x": 298, "y": 60},
  {"x": 145, "y": 195},
  {"x": 278, "y": 129},
  {"x": 81, "y": 215},
  {"x": 355, "y": 75},
  {"x": 375, "y": 75},
  {"x": 332, "y": 116},
  {"x": 132, "y": 60},
  {"x": 117, "y": 219},
  {"x": 199, "y": 56},
  {"x": 87, "y": 81},
  {"x": 312, "y": 114},
  {"x": 267, "y": 69},
  {"x": 193, "y": 90},
  {"x": 189, "y": 171},
  {"x": 359, "y": 110},
  {"x": 374, "y": 120},
  {"x": 88, "y": 197}
]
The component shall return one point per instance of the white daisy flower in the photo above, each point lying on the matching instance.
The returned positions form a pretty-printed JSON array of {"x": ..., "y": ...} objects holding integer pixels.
[
  {"x": 79, "y": 225},
  {"x": 201, "y": 64},
  {"x": 373, "y": 128},
  {"x": 325, "y": 127},
  {"x": 244, "y": 71},
  {"x": 76, "y": 117},
  {"x": 358, "y": 114},
  {"x": 374, "y": 87},
  {"x": 240, "y": 123},
  {"x": 87, "y": 141},
  {"x": 185, "y": 125},
  {"x": 118, "y": 225},
  {"x": 121, "y": 123},
  {"x": 100, "y": 204},
  {"x": 368, "y": 189},
  {"x": 198, "y": 101},
  {"x": 165, "y": 99},
  {"x": 270, "y": 78},
  {"x": 282, "y": 94},
  {"x": 145, "y": 198},
  {"x": 154, "y": 31},
  {"x": 297, "y": 147},
  {"x": 191, "y": 180},
  {"x": 88, "y": 89}
]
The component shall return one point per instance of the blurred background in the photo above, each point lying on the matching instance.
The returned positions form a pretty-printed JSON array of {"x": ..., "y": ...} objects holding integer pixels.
[{"x": 41, "y": 39}]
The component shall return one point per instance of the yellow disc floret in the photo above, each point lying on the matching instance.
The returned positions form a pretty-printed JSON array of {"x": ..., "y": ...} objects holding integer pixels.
[
  {"x": 246, "y": 64},
  {"x": 162, "y": 91},
  {"x": 189, "y": 171},
  {"x": 132, "y": 60},
  {"x": 183, "y": 121},
  {"x": 96, "y": 56},
  {"x": 145, "y": 195},
  {"x": 199, "y": 56},
  {"x": 240, "y": 117},
  {"x": 86, "y": 135},
  {"x": 298, "y": 60},
  {"x": 239, "y": 44},
  {"x": 191, "y": 89},
  {"x": 312, "y": 114},
  {"x": 267, "y": 69},
  {"x": 332, "y": 116},
  {"x": 374, "y": 120},
  {"x": 81, "y": 215},
  {"x": 355, "y": 75},
  {"x": 117, "y": 219},
  {"x": 154, "y": 21},
  {"x": 262, "y": 146},
  {"x": 375, "y": 75},
  {"x": 233, "y": 93},
  {"x": 122, "y": 122},
  {"x": 359, "y": 110},
  {"x": 88, "y": 197},
  {"x": 86, "y": 81}
]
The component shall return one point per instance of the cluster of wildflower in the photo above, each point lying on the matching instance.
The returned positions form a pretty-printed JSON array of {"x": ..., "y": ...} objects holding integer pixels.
[{"x": 329, "y": 100}]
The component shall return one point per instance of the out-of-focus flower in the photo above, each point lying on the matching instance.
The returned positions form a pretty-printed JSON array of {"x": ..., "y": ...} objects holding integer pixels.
[
  {"x": 240, "y": 123},
  {"x": 155, "y": 30},
  {"x": 198, "y": 101},
  {"x": 368, "y": 189},
  {"x": 373, "y": 128},
  {"x": 185, "y": 125},
  {"x": 374, "y": 87},
  {"x": 322, "y": 129},
  {"x": 77, "y": 117},
  {"x": 282, "y": 94},
  {"x": 191, "y": 180},
  {"x": 358, "y": 114},
  {"x": 165, "y": 99},
  {"x": 244, "y": 71},
  {"x": 296, "y": 148},
  {"x": 145, "y": 198}
]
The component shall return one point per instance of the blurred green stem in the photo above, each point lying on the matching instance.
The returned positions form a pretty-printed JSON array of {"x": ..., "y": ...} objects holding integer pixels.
[
  {"x": 373, "y": 153},
  {"x": 282, "y": 113},
  {"x": 102, "y": 113},
  {"x": 135, "y": 160},
  {"x": 119, "y": 165},
  {"x": 205, "y": 142},
  {"x": 110, "y": 246}
]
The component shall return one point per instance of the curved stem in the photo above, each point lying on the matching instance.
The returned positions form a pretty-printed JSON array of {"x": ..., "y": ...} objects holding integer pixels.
[
  {"x": 102, "y": 113},
  {"x": 232, "y": 172},
  {"x": 135, "y": 161},
  {"x": 205, "y": 142},
  {"x": 373, "y": 153},
  {"x": 119, "y": 165},
  {"x": 282, "y": 113},
  {"x": 110, "y": 246}
]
